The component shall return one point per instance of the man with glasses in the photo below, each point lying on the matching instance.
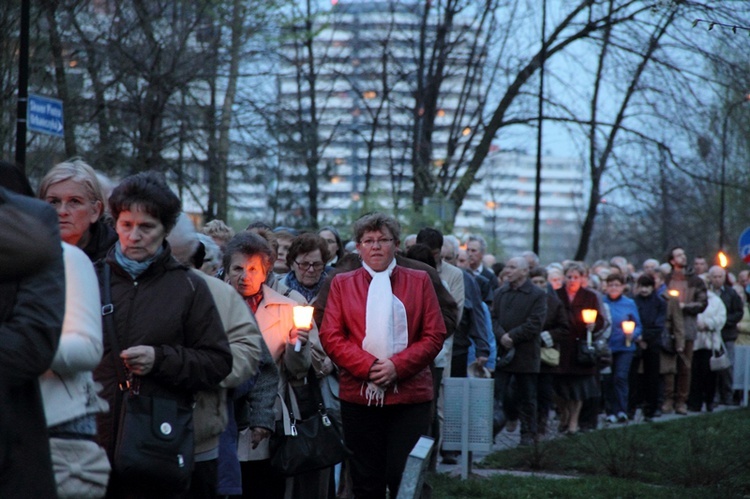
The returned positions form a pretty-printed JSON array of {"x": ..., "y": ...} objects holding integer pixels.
[{"x": 382, "y": 327}]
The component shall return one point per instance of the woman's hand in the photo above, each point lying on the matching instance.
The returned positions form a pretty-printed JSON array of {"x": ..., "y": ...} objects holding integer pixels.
[
  {"x": 139, "y": 359},
  {"x": 326, "y": 368},
  {"x": 299, "y": 334},
  {"x": 258, "y": 434},
  {"x": 383, "y": 373}
]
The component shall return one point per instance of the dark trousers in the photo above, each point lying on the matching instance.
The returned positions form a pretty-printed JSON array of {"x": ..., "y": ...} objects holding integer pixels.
[
  {"x": 724, "y": 377},
  {"x": 204, "y": 480},
  {"x": 702, "y": 381},
  {"x": 520, "y": 402},
  {"x": 651, "y": 378},
  {"x": 644, "y": 387},
  {"x": 260, "y": 481},
  {"x": 380, "y": 439},
  {"x": 544, "y": 400}
]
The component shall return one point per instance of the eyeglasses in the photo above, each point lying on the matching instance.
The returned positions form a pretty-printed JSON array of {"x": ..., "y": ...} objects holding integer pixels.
[
  {"x": 369, "y": 243},
  {"x": 305, "y": 266}
]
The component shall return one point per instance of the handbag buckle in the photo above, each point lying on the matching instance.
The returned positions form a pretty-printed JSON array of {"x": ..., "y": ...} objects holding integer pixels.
[
  {"x": 108, "y": 309},
  {"x": 293, "y": 429},
  {"x": 326, "y": 419}
]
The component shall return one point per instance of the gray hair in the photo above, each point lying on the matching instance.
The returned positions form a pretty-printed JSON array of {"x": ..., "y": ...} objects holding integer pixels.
[
  {"x": 374, "y": 222},
  {"x": 212, "y": 260},
  {"x": 183, "y": 240},
  {"x": 453, "y": 241},
  {"x": 531, "y": 255},
  {"x": 480, "y": 240}
]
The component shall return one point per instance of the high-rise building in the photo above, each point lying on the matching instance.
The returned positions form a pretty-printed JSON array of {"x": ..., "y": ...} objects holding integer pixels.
[
  {"x": 366, "y": 57},
  {"x": 501, "y": 204}
]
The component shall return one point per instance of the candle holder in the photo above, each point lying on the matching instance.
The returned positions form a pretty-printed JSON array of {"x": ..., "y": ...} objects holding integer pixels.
[
  {"x": 589, "y": 317},
  {"x": 302, "y": 320},
  {"x": 628, "y": 327}
]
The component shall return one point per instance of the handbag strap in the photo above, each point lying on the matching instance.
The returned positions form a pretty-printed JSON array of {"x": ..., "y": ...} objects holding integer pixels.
[
  {"x": 287, "y": 410},
  {"x": 108, "y": 310}
]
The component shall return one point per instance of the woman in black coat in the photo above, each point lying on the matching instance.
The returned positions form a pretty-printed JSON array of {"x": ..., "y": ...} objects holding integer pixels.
[
  {"x": 170, "y": 337},
  {"x": 575, "y": 382}
]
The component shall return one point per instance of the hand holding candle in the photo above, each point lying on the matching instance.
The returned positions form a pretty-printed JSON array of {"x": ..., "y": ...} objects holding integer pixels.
[
  {"x": 589, "y": 317},
  {"x": 628, "y": 327},
  {"x": 302, "y": 320}
]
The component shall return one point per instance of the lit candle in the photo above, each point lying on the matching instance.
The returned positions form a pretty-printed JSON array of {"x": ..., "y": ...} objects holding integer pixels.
[
  {"x": 302, "y": 320},
  {"x": 628, "y": 327},
  {"x": 589, "y": 317},
  {"x": 674, "y": 293},
  {"x": 723, "y": 259}
]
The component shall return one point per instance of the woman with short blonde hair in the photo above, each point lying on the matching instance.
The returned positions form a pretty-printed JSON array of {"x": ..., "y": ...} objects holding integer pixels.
[{"x": 73, "y": 189}]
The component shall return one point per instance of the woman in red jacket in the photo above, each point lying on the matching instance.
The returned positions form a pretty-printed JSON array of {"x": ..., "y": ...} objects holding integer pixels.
[{"x": 382, "y": 327}]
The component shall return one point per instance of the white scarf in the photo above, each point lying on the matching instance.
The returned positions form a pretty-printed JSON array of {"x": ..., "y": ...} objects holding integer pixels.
[{"x": 379, "y": 330}]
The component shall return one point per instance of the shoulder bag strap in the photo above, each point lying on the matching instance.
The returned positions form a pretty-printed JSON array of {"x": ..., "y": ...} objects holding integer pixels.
[{"x": 109, "y": 328}]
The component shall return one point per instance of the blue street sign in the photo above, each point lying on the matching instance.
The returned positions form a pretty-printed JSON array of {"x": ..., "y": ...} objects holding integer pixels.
[
  {"x": 45, "y": 115},
  {"x": 744, "y": 244}
]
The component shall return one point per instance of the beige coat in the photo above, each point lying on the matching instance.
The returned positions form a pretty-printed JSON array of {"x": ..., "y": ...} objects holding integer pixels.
[
  {"x": 210, "y": 413},
  {"x": 276, "y": 321}
]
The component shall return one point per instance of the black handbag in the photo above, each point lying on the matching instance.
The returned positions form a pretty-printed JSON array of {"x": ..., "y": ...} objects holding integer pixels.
[
  {"x": 585, "y": 354},
  {"x": 154, "y": 445},
  {"x": 306, "y": 444},
  {"x": 666, "y": 341}
]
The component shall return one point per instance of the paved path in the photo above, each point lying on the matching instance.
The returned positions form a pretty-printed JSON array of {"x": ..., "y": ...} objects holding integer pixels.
[{"x": 509, "y": 440}]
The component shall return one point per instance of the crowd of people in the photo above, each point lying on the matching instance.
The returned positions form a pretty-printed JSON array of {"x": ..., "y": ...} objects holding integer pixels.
[{"x": 120, "y": 296}]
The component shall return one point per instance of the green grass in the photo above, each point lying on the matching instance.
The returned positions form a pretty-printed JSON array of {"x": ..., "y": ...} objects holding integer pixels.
[{"x": 705, "y": 456}]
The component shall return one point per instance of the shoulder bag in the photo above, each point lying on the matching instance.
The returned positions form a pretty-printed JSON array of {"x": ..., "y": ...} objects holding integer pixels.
[
  {"x": 154, "y": 442},
  {"x": 719, "y": 358},
  {"x": 585, "y": 354},
  {"x": 666, "y": 341},
  {"x": 306, "y": 444}
]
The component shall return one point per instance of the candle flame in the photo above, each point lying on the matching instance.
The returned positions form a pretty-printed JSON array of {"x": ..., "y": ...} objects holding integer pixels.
[
  {"x": 628, "y": 327},
  {"x": 589, "y": 315},
  {"x": 723, "y": 259},
  {"x": 674, "y": 292},
  {"x": 303, "y": 316}
]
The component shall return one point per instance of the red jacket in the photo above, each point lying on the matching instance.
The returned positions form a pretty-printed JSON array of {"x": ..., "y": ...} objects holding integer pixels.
[{"x": 343, "y": 330}]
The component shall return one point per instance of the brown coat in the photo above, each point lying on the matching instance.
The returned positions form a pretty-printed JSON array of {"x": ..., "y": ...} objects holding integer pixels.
[{"x": 673, "y": 323}]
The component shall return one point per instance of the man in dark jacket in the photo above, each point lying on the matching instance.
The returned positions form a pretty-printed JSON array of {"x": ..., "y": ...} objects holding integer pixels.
[
  {"x": 31, "y": 314},
  {"x": 732, "y": 301},
  {"x": 518, "y": 312},
  {"x": 652, "y": 310},
  {"x": 555, "y": 328}
]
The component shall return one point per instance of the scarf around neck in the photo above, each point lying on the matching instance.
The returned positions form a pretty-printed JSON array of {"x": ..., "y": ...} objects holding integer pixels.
[
  {"x": 131, "y": 266},
  {"x": 381, "y": 338},
  {"x": 309, "y": 293}
]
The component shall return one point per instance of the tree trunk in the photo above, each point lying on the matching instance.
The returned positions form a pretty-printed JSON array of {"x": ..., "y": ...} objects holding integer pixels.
[{"x": 56, "y": 46}]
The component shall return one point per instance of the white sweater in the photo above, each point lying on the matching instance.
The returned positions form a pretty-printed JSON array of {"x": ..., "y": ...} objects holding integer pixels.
[
  {"x": 710, "y": 323},
  {"x": 68, "y": 388}
]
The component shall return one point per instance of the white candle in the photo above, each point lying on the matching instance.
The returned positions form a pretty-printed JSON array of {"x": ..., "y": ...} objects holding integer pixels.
[{"x": 302, "y": 320}]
